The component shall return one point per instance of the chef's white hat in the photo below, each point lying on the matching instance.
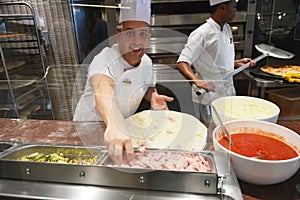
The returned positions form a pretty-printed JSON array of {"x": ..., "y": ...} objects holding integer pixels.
[
  {"x": 215, "y": 2},
  {"x": 136, "y": 10}
]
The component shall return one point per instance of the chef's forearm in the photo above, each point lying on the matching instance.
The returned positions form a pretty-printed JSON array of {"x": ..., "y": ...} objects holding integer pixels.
[
  {"x": 187, "y": 71},
  {"x": 106, "y": 103},
  {"x": 108, "y": 110}
]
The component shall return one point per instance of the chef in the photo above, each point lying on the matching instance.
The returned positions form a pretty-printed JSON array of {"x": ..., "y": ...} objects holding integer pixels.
[
  {"x": 210, "y": 50},
  {"x": 119, "y": 78}
]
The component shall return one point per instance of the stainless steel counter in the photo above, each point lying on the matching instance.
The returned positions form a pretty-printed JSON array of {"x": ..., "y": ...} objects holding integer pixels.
[
  {"x": 35, "y": 180},
  {"x": 45, "y": 190}
]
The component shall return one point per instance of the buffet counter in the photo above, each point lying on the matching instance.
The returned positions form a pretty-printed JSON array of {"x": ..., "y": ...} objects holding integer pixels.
[{"x": 65, "y": 132}]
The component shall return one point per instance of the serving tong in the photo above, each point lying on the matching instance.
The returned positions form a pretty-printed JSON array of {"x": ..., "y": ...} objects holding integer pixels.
[{"x": 222, "y": 125}]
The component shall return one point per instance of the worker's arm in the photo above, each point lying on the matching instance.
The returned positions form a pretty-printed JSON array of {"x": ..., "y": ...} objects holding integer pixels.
[
  {"x": 116, "y": 136},
  {"x": 187, "y": 71}
]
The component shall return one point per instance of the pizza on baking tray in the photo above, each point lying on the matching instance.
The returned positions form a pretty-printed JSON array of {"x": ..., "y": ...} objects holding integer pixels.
[{"x": 281, "y": 70}]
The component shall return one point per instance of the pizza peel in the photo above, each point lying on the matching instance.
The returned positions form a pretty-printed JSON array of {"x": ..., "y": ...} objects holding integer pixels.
[{"x": 266, "y": 50}]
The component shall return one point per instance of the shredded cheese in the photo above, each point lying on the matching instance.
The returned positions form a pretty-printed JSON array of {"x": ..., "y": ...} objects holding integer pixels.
[{"x": 248, "y": 109}]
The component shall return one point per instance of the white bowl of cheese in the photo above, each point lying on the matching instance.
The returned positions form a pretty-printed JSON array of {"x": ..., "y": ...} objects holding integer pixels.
[{"x": 244, "y": 107}]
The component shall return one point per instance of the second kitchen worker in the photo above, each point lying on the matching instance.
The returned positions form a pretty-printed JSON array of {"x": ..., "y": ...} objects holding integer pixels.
[{"x": 210, "y": 49}]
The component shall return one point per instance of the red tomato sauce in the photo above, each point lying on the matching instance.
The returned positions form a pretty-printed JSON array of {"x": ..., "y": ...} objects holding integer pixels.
[{"x": 250, "y": 145}]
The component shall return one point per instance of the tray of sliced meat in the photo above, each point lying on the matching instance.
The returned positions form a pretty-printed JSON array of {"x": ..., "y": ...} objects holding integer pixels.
[
  {"x": 194, "y": 172},
  {"x": 201, "y": 173},
  {"x": 168, "y": 160}
]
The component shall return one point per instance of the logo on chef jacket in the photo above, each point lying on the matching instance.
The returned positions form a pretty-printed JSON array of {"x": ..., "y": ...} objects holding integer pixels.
[{"x": 127, "y": 82}]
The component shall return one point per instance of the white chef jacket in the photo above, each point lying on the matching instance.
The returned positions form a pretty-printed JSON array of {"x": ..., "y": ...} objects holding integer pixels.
[
  {"x": 130, "y": 85},
  {"x": 211, "y": 51}
]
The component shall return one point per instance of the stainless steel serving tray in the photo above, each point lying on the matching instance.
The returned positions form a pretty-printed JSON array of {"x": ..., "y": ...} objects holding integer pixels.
[
  {"x": 41, "y": 171},
  {"x": 99, "y": 174},
  {"x": 165, "y": 180},
  {"x": 82, "y": 152}
]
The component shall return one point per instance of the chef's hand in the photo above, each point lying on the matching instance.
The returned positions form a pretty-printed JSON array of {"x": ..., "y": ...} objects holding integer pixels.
[
  {"x": 159, "y": 102},
  {"x": 207, "y": 85},
  {"x": 241, "y": 62},
  {"x": 117, "y": 141}
]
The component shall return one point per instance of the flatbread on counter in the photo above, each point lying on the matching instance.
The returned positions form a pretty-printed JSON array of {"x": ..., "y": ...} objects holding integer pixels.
[
  {"x": 281, "y": 70},
  {"x": 163, "y": 129}
]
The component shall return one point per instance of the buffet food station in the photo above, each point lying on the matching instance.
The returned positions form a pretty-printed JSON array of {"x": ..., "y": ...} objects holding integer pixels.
[
  {"x": 62, "y": 159},
  {"x": 82, "y": 166},
  {"x": 96, "y": 173},
  {"x": 175, "y": 158},
  {"x": 61, "y": 133}
]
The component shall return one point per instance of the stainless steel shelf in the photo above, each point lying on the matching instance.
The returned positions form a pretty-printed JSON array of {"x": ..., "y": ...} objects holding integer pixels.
[
  {"x": 12, "y": 83},
  {"x": 263, "y": 84}
]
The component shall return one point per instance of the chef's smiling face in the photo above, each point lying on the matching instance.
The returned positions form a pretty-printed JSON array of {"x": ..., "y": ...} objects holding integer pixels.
[{"x": 133, "y": 39}]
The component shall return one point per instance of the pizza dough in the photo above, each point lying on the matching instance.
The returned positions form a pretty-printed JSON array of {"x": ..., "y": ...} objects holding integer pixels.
[
  {"x": 167, "y": 130},
  {"x": 281, "y": 70}
]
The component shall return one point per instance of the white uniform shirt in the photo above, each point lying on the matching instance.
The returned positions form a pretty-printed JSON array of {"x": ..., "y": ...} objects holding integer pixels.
[
  {"x": 130, "y": 85},
  {"x": 211, "y": 52}
]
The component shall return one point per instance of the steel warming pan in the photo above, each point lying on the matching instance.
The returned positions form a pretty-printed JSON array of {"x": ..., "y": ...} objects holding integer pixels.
[{"x": 98, "y": 174}]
